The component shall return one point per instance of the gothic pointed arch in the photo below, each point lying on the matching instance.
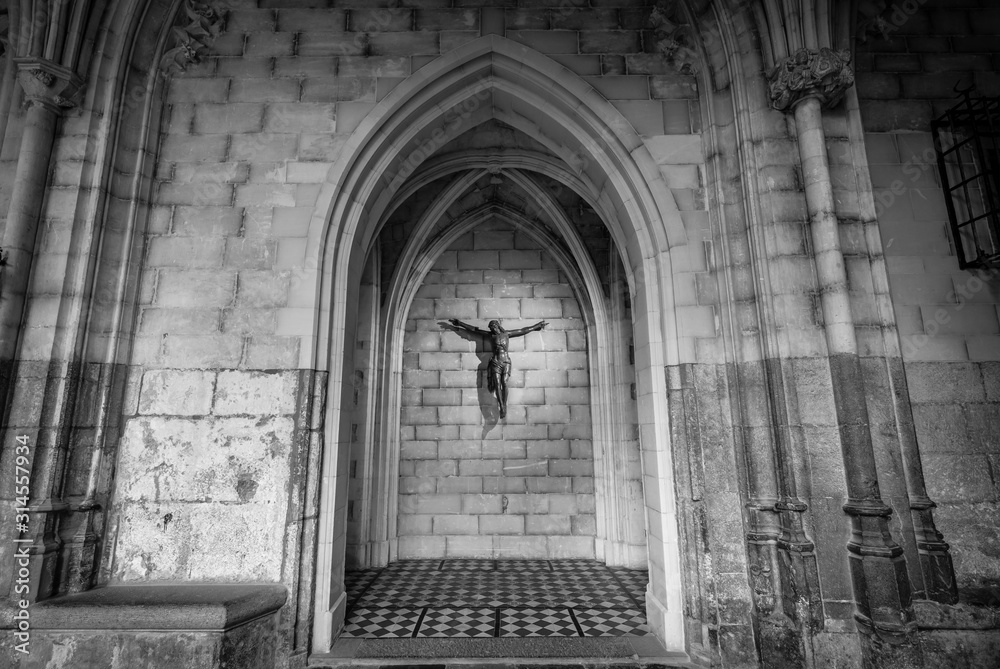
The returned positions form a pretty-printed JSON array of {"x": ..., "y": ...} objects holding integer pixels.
[{"x": 493, "y": 78}]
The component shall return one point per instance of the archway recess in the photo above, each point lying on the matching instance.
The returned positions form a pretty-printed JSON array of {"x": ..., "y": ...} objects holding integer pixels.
[{"x": 594, "y": 151}]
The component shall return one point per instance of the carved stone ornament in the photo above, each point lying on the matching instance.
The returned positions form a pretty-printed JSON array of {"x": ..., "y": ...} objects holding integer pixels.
[
  {"x": 673, "y": 41},
  {"x": 824, "y": 74},
  {"x": 873, "y": 20},
  {"x": 46, "y": 83},
  {"x": 193, "y": 38}
]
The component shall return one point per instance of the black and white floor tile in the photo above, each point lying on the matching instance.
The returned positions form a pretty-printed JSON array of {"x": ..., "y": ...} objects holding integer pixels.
[{"x": 495, "y": 598}]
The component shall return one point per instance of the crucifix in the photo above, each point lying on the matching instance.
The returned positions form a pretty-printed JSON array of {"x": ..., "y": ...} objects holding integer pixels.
[{"x": 499, "y": 366}]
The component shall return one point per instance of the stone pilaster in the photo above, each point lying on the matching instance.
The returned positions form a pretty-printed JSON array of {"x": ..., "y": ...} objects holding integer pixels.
[
  {"x": 48, "y": 89},
  {"x": 803, "y": 84}
]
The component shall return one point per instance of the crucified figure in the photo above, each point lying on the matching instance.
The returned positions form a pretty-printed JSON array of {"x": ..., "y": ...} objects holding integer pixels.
[{"x": 499, "y": 368}]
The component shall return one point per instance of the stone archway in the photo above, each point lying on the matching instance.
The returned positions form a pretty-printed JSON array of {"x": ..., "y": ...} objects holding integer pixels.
[{"x": 601, "y": 158}]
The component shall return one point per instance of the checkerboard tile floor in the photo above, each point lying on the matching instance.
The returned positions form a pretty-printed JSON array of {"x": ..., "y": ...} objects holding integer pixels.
[{"x": 495, "y": 598}]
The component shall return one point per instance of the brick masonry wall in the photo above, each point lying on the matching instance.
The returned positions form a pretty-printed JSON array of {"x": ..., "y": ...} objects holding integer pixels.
[
  {"x": 471, "y": 484},
  {"x": 947, "y": 318}
]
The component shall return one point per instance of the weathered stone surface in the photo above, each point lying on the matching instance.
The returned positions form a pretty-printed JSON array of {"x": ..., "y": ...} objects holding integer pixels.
[
  {"x": 203, "y": 498},
  {"x": 255, "y": 393},
  {"x": 176, "y": 392}
]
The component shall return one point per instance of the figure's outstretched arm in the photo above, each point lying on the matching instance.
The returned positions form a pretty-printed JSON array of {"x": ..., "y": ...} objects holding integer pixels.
[
  {"x": 465, "y": 326},
  {"x": 523, "y": 331}
]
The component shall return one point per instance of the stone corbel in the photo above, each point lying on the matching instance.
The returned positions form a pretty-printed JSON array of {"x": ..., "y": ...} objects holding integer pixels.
[
  {"x": 672, "y": 36},
  {"x": 203, "y": 24},
  {"x": 823, "y": 74},
  {"x": 48, "y": 84}
]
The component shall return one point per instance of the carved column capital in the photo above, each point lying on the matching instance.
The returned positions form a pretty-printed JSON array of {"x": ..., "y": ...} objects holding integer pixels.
[
  {"x": 824, "y": 74},
  {"x": 47, "y": 84}
]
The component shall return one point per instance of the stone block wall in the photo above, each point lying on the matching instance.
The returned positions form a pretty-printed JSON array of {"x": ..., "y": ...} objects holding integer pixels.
[
  {"x": 248, "y": 136},
  {"x": 205, "y": 467},
  {"x": 947, "y": 317},
  {"x": 472, "y": 484}
]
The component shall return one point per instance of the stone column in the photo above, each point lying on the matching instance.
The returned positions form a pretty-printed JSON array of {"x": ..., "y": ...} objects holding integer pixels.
[
  {"x": 47, "y": 89},
  {"x": 804, "y": 83}
]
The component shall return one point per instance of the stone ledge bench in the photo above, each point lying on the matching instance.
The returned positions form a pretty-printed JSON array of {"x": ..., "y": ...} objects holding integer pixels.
[{"x": 158, "y": 626}]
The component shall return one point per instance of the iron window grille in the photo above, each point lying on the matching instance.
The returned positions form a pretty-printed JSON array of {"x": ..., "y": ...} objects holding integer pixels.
[{"x": 967, "y": 143}]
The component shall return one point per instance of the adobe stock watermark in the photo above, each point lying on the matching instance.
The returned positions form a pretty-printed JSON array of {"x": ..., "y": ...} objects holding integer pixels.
[
  {"x": 22, "y": 544},
  {"x": 885, "y": 20}
]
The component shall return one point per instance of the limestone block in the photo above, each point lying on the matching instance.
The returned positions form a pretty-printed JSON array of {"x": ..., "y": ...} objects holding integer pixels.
[
  {"x": 499, "y": 308},
  {"x": 300, "y": 117},
  {"x": 374, "y": 66},
  {"x": 197, "y": 89},
  {"x": 179, "y": 321},
  {"x": 482, "y": 504},
  {"x": 197, "y": 351},
  {"x": 446, "y": 19},
  {"x": 414, "y": 525},
  {"x": 194, "y": 288},
  {"x": 411, "y": 548},
  {"x": 201, "y": 193},
  {"x": 944, "y": 382},
  {"x": 269, "y": 45},
  {"x": 176, "y": 392},
  {"x": 571, "y": 468},
  {"x": 405, "y": 44},
  {"x": 541, "y": 308},
  {"x": 174, "y": 460},
  {"x": 520, "y": 547},
  {"x": 469, "y": 547},
  {"x": 669, "y": 86},
  {"x": 501, "y": 524},
  {"x": 675, "y": 149},
  {"x": 470, "y": 290},
  {"x": 547, "y": 42},
  {"x": 193, "y": 148},
  {"x": 505, "y": 449},
  {"x": 482, "y": 468},
  {"x": 646, "y": 117},
  {"x": 984, "y": 347},
  {"x": 437, "y": 432},
  {"x": 231, "y": 118},
  {"x": 201, "y": 541},
  {"x": 983, "y": 427},
  {"x": 566, "y": 360},
  {"x": 339, "y": 89},
  {"x": 432, "y": 504},
  {"x": 264, "y": 90},
  {"x": 255, "y": 393},
  {"x": 467, "y": 485},
  {"x": 518, "y": 504},
  {"x": 560, "y": 547},
  {"x": 305, "y": 20},
  {"x": 526, "y": 19},
  {"x": 958, "y": 478},
  {"x": 188, "y": 252},
  {"x": 266, "y": 352},
  {"x": 454, "y": 524},
  {"x": 418, "y": 450}
]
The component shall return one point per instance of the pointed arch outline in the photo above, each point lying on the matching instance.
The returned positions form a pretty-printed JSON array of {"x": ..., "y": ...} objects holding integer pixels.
[{"x": 535, "y": 95}]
